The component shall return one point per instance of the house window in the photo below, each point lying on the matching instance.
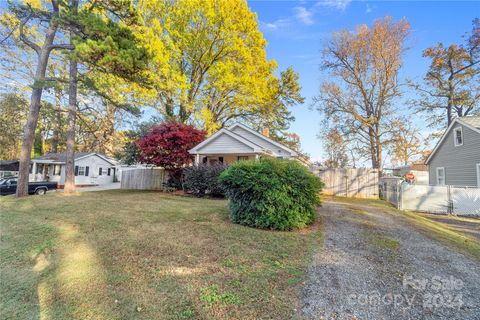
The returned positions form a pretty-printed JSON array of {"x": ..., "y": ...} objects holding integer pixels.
[
  {"x": 57, "y": 169},
  {"x": 458, "y": 135},
  {"x": 241, "y": 158},
  {"x": 478, "y": 174},
  {"x": 81, "y": 171},
  {"x": 441, "y": 176}
]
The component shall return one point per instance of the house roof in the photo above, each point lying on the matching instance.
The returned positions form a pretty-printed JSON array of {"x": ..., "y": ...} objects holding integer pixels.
[
  {"x": 472, "y": 122},
  {"x": 244, "y": 140},
  {"x": 255, "y": 147},
  {"x": 61, "y": 157},
  {"x": 292, "y": 152}
]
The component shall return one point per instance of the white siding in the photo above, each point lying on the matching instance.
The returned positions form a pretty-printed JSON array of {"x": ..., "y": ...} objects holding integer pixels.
[
  {"x": 224, "y": 144},
  {"x": 277, "y": 151},
  {"x": 94, "y": 162}
]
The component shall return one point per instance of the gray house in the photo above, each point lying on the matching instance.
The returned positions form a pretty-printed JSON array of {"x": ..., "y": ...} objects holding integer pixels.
[{"x": 456, "y": 158}]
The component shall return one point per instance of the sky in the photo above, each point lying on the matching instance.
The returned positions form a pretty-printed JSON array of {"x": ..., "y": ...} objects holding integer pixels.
[{"x": 296, "y": 31}]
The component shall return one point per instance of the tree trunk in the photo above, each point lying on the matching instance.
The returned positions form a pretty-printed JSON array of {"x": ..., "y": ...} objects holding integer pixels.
[
  {"x": 58, "y": 118},
  {"x": 32, "y": 119},
  {"x": 72, "y": 114}
]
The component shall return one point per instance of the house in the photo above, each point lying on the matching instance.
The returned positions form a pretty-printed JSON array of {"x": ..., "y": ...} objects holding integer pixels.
[
  {"x": 8, "y": 168},
  {"x": 239, "y": 142},
  {"x": 419, "y": 171},
  {"x": 455, "y": 160},
  {"x": 90, "y": 169}
]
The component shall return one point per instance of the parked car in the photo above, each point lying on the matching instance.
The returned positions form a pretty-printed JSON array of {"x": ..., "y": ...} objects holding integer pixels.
[{"x": 9, "y": 186}]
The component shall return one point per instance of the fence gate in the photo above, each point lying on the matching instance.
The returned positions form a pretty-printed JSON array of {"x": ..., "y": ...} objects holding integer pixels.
[{"x": 358, "y": 183}]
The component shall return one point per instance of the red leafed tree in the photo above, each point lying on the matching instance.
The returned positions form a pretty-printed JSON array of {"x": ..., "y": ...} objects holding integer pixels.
[{"x": 167, "y": 145}]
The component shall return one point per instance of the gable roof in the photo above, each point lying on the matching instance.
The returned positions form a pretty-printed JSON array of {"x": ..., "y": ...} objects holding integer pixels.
[
  {"x": 242, "y": 139},
  {"x": 258, "y": 134},
  {"x": 255, "y": 147},
  {"x": 472, "y": 122},
  {"x": 62, "y": 157}
]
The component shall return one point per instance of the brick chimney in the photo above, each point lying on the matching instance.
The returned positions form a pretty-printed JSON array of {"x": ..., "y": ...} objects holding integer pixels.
[{"x": 266, "y": 132}]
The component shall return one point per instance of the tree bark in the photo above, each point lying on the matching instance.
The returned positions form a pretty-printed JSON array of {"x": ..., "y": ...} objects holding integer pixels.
[
  {"x": 72, "y": 115},
  {"x": 58, "y": 118},
  {"x": 32, "y": 119}
]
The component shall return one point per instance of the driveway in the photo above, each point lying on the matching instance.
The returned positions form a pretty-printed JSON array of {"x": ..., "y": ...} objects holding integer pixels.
[
  {"x": 375, "y": 265},
  {"x": 110, "y": 186}
]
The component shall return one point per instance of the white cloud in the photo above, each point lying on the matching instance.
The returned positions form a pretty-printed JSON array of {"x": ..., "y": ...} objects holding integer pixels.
[
  {"x": 304, "y": 15},
  {"x": 276, "y": 24},
  {"x": 336, "y": 4},
  {"x": 368, "y": 9}
]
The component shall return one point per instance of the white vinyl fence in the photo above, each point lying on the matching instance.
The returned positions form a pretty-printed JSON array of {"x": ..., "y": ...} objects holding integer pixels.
[{"x": 434, "y": 199}]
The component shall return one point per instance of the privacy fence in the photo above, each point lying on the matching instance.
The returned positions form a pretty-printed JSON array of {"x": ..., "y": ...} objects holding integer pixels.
[
  {"x": 143, "y": 179},
  {"x": 434, "y": 199},
  {"x": 358, "y": 183}
]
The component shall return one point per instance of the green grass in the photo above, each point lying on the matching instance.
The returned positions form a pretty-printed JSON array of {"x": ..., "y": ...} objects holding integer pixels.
[
  {"x": 144, "y": 255},
  {"x": 443, "y": 233}
]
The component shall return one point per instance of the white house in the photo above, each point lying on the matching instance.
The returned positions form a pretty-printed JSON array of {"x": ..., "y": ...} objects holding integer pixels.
[
  {"x": 239, "y": 142},
  {"x": 90, "y": 169}
]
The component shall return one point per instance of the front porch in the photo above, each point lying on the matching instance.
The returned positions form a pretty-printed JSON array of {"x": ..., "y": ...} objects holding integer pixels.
[{"x": 224, "y": 158}]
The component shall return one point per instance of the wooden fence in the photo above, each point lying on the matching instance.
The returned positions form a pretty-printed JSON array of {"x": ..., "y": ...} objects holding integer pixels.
[
  {"x": 356, "y": 183},
  {"x": 143, "y": 179}
]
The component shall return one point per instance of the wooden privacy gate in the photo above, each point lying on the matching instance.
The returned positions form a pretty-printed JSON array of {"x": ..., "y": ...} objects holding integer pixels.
[
  {"x": 143, "y": 179},
  {"x": 356, "y": 183}
]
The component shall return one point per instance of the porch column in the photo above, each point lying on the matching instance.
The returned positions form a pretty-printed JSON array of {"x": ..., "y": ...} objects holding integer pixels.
[
  {"x": 197, "y": 159},
  {"x": 34, "y": 171},
  {"x": 257, "y": 156}
]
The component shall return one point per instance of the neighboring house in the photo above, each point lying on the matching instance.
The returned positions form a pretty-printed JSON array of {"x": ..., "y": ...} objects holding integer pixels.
[
  {"x": 239, "y": 142},
  {"x": 90, "y": 169},
  {"x": 419, "y": 171},
  {"x": 456, "y": 158},
  {"x": 8, "y": 168}
]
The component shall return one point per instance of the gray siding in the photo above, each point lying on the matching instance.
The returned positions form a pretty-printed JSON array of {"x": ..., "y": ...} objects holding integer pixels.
[
  {"x": 277, "y": 151},
  {"x": 224, "y": 144},
  {"x": 459, "y": 162}
]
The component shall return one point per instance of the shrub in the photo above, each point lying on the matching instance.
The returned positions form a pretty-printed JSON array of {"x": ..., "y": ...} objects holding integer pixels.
[
  {"x": 203, "y": 179},
  {"x": 271, "y": 193}
]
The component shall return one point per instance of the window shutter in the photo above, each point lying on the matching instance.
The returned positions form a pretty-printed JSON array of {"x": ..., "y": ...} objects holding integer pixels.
[
  {"x": 76, "y": 170},
  {"x": 86, "y": 171},
  {"x": 108, "y": 171},
  {"x": 99, "y": 171}
]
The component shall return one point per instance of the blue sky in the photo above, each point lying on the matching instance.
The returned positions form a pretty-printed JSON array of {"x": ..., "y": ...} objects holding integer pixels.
[{"x": 296, "y": 30}]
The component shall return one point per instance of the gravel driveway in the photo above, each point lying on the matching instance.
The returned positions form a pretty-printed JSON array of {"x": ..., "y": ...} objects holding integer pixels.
[{"x": 375, "y": 265}]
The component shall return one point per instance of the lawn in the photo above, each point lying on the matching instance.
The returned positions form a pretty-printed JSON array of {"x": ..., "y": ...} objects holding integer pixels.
[{"x": 144, "y": 255}]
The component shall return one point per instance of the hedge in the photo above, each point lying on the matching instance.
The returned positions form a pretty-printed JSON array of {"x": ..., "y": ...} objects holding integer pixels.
[
  {"x": 202, "y": 180},
  {"x": 271, "y": 193}
]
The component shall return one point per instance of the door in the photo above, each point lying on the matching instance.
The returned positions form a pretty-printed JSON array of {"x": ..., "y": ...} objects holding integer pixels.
[{"x": 11, "y": 186}]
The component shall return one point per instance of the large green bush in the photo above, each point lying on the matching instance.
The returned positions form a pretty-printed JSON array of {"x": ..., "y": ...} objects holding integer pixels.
[
  {"x": 202, "y": 180},
  {"x": 271, "y": 193}
]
